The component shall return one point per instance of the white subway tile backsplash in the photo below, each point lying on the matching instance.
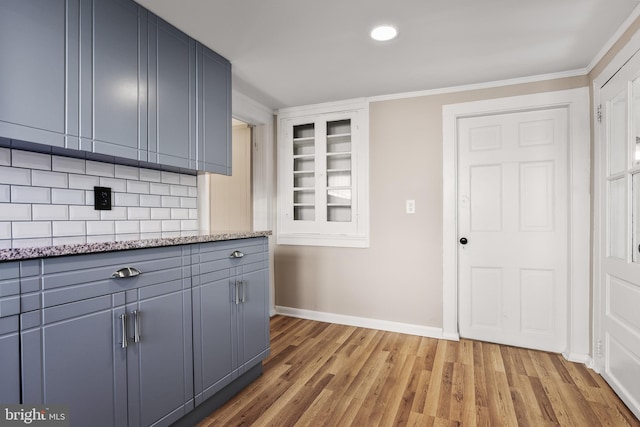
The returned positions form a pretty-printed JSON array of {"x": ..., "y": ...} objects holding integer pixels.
[
  {"x": 15, "y": 176},
  {"x": 127, "y": 172},
  {"x": 30, "y": 229},
  {"x": 72, "y": 240},
  {"x": 48, "y": 199},
  {"x": 126, "y": 199},
  {"x": 170, "y": 202},
  {"x": 170, "y": 177},
  {"x": 49, "y": 179},
  {"x": 100, "y": 227},
  {"x": 189, "y": 202},
  {"x": 24, "y": 194},
  {"x": 171, "y": 225},
  {"x": 150, "y": 200},
  {"x": 161, "y": 189},
  {"x": 137, "y": 187},
  {"x": 5, "y": 244},
  {"x": 150, "y": 226},
  {"x": 5, "y": 230},
  {"x": 150, "y": 175},
  {"x": 30, "y": 160},
  {"x": 188, "y": 224},
  {"x": 179, "y": 190},
  {"x": 116, "y": 213},
  {"x": 50, "y": 212},
  {"x": 138, "y": 213},
  {"x": 100, "y": 169},
  {"x": 61, "y": 196},
  {"x": 15, "y": 212},
  {"x": 188, "y": 180},
  {"x": 69, "y": 228},
  {"x": 5, "y": 156},
  {"x": 29, "y": 243},
  {"x": 83, "y": 213},
  {"x": 101, "y": 238},
  {"x": 160, "y": 213},
  {"x": 5, "y": 193},
  {"x": 83, "y": 182},
  {"x": 67, "y": 164},
  {"x": 124, "y": 227},
  {"x": 177, "y": 213},
  {"x": 115, "y": 184}
]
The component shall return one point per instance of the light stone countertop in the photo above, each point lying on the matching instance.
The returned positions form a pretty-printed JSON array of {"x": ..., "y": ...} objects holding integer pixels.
[{"x": 17, "y": 254}]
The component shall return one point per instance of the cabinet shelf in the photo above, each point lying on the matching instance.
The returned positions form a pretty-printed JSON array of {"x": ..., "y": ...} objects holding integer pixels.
[
  {"x": 339, "y": 135},
  {"x": 304, "y": 139}
]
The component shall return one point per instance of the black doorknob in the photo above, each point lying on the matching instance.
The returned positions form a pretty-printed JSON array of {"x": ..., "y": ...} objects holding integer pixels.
[{"x": 463, "y": 240}]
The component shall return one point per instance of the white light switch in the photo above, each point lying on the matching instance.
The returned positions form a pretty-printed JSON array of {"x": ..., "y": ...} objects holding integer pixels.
[{"x": 411, "y": 206}]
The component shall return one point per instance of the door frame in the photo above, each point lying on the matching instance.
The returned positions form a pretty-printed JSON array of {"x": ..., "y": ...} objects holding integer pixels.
[{"x": 576, "y": 101}]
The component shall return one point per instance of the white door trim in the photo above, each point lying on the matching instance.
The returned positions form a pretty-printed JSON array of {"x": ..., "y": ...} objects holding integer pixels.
[{"x": 577, "y": 103}]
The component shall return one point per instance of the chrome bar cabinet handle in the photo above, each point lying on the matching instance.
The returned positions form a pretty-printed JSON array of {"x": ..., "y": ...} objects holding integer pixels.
[
  {"x": 136, "y": 325},
  {"x": 123, "y": 319}
]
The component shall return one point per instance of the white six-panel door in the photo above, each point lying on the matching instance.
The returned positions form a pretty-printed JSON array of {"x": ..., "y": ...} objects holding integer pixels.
[{"x": 512, "y": 209}]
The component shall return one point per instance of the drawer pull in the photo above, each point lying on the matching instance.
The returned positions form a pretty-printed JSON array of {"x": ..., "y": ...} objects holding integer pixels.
[
  {"x": 237, "y": 254},
  {"x": 125, "y": 272}
]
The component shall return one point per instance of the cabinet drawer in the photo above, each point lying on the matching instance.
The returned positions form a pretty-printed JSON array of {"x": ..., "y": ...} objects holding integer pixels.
[
  {"x": 9, "y": 289},
  {"x": 75, "y": 278},
  {"x": 215, "y": 256}
]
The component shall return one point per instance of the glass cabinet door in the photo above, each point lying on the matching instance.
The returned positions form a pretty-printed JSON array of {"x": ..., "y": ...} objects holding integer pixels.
[{"x": 339, "y": 173}]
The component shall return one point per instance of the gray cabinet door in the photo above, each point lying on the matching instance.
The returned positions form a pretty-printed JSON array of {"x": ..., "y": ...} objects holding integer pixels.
[
  {"x": 253, "y": 318},
  {"x": 214, "y": 112},
  {"x": 161, "y": 364},
  {"x": 215, "y": 342},
  {"x": 172, "y": 86},
  {"x": 39, "y": 84},
  {"x": 10, "y": 357},
  {"x": 74, "y": 357},
  {"x": 113, "y": 78}
]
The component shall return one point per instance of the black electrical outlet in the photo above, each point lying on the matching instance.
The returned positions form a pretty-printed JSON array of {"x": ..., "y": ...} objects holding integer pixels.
[{"x": 102, "y": 198}]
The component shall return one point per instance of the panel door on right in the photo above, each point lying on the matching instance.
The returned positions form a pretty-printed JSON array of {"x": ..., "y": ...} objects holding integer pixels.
[{"x": 513, "y": 212}]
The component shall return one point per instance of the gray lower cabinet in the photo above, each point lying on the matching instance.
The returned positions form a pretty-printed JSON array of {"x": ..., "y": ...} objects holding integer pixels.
[
  {"x": 9, "y": 332},
  {"x": 230, "y": 307},
  {"x": 118, "y": 351}
]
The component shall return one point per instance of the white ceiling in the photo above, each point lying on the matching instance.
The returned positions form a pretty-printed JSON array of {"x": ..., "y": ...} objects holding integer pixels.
[{"x": 296, "y": 52}]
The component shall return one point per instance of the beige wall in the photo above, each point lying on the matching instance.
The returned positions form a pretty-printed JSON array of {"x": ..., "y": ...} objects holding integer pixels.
[
  {"x": 399, "y": 278},
  {"x": 230, "y": 196}
]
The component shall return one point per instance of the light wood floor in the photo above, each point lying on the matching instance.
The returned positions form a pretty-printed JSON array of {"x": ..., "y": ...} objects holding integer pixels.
[{"x": 321, "y": 374}]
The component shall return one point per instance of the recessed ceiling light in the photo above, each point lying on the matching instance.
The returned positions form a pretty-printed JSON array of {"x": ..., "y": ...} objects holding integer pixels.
[{"x": 383, "y": 33}]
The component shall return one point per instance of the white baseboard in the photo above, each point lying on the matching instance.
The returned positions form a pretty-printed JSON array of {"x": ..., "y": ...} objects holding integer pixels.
[
  {"x": 363, "y": 322},
  {"x": 579, "y": 358}
]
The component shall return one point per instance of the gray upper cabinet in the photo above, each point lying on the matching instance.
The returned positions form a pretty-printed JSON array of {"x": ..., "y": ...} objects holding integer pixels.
[
  {"x": 39, "y": 84},
  {"x": 113, "y": 73},
  {"x": 172, "y": 95},
  {"x": 214, "y": 112},
  {"x": 111, "y": 78}
]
